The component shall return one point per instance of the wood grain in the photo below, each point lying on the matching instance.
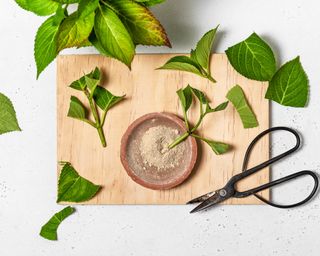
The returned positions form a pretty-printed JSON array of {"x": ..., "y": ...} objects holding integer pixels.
[{"x": 149, "y": 90}]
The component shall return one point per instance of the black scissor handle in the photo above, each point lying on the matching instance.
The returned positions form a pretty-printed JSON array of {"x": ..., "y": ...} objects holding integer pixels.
[{"x": 279, "y": 181}]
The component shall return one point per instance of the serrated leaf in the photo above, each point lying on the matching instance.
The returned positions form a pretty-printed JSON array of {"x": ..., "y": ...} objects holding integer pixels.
[
  {"x": 185, "y": 97},
  {"x": 237, "y": 98},
  {"x": 144, "y": 28},
  {"x": 290, "y": 85},
  {"x": 45, "y": 49},
  {"x": 183, "y": 63},
  {"x": 8, "y": 119},
  {"x": 39, "y": 7},
  {"x": 74, "y": 188},
  {"x": 113, "y": 36},
  {"x": 220, "y": 107},
  {"x": 202, "y": 52},
  {"x": 150, "y": 2},
  {"x": 105, "y": 99},
  {"x": 87, "y": 7},
  {"x": 253, "y": 58},
  {"x": 77, "y": 109},
  {"x": 49, "y": 230},
  {"x": 74, "y": 31}
]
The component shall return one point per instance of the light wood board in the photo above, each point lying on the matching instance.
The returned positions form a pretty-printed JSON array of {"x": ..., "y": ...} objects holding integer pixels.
[{"x": 149, "y": 90}]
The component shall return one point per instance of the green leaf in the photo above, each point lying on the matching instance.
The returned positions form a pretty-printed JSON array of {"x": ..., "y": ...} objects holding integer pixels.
[
  {"x": 49, "y": 230},
  {"x": 289, "y": 86},
  {"x": 45, "y": 49},
  {"x": 144, "y": 28},
  {"x": 185, "y": 96},
  {"x": 105, "y": 99},
  {"x": 150, "y": 2},
  {"x": 203, "y": 50},
  {"x": 77, "y": 109},
  {"x": 74, "y": 188},
  {"x": 113, "y": 36},
  {"x": 79, "y": 84},
  {"x": 218, "y": 147},
  {"x": 74, "y": 31},
  {"x": 183, "y": 63},
  {"x": 86, "y": 7},
  {"x": 220, "y": 107},
  {"x": 67, "y": 1},
  {"x": 253, "y": 58},
  {"x": 8, "y": 120},
  {"x": 238, "y": 99},
  {"x": 95, "y": 42},
  {"x": 200, "y": 95},
  {"x": 39, "y": 7}
]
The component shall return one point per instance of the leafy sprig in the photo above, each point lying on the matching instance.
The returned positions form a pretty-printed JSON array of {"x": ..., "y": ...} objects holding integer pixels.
[
  {"x": 199, "y": 60},
  {"x": 254, "y": 59},
  {"x": 113, "y": 27},
  {"x": 186, "y": 97},
  {"x": 98, "y": 97}
]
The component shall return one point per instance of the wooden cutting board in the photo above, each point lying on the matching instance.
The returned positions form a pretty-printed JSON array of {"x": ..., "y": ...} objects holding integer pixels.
[{"x": 149, "y": 90}]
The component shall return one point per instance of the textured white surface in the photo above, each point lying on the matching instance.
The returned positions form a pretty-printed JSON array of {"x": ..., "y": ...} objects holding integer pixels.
[{"x": 28, "y": 159}]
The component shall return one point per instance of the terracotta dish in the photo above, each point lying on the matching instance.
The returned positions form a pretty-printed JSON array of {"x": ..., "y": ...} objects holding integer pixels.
[{"x": 150, "y": 176}]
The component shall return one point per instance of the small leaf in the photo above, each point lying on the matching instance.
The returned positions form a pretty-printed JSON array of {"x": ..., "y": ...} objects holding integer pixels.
[
  {"x": 113, "y": 36},
  {"x": 105, "y": 99},
  {"x": 39, "y": 7},
  {"x": 144, "y": 28},
  {"x": 76, "y": 109},
  {"x": 86, "y": 7},
  {"x": 185, "y": 96},
  {"x": 79, "y": 84},
  {"x": 203, "y": 50},
  {"x": 183, "y": 63},
  {"x": 217, "y": 147},
  {"x": 150, "y": 2},
  {"x": 74, "y": 31},
  {"x": 74, "y": 188},
  {"x": 220, "y": 107},
  {"x": 289, "y": 86},
  {"x": 253, "y": 58},
  {"x": 8, "y": 120},
  {"x": 49, "y": 230},
  {"x": 200, "y": 95},
  {"x": 45, "y": 50},
  {"x": 238, "y": 99}
]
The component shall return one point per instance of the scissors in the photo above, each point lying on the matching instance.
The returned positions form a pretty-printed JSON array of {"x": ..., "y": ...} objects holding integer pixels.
[{"x": 229, "y": 190}]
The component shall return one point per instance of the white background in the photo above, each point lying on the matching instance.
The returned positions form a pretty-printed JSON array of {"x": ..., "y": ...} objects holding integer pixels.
[{"x": 28, "y": 159}]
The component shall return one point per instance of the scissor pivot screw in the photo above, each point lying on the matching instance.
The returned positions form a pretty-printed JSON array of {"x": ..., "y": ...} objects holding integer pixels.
[{"x": 222, "y": 192}]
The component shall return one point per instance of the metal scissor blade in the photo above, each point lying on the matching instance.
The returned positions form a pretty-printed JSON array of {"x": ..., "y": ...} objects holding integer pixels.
[
  {"x": 202, "y": 198},
  {"x": 211, "y": 201}
]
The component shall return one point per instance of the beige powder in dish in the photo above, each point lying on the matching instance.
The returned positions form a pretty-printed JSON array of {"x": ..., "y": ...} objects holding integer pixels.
[{"x": 154, "y": 148}]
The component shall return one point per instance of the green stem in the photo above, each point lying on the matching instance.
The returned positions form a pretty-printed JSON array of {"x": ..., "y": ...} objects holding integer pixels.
[
  {"x": 198, "y": 123},
  {"x": 98, "y": 126},
  {"x": 198, "y": 137},
  {"x": 179, "y": 140}
]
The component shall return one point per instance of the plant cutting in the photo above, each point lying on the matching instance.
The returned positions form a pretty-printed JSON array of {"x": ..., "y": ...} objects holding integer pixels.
[
  {"x": 97, "y": 96},
  {"x": 199, "y": 60},
  {"x": 186, "y": 97},
  {"x": 113, "y": 27}
]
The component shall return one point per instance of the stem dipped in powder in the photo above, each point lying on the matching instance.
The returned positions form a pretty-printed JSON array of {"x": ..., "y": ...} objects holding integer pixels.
[{"x": 154, "y": 148}]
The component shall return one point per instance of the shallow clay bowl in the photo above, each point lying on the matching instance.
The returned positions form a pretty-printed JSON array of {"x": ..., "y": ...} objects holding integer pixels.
[{"x": 149, "y": 176}]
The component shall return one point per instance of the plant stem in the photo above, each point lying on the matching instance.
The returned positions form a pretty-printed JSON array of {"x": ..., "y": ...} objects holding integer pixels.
[
  {"x": 198, "y": 137},
  {"x": 179, "y": 140},
  {"x": 98, "y": 126}
]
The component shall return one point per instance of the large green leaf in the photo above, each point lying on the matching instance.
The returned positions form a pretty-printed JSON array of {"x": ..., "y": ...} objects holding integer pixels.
[
  {"x": 86, "y": 7},
  {"x": 143, "y": 26},
  {"x": 67, "y": 1},
  {"x": 74, "y": 30},
  {"x": 74, "y": 188},
  {"x": 8, "y": 120},
  {"x": 113, "y": 36},
  {"x": 183, "y": 63},
  {"x": 253, "y": 58},
  {"x": 105, "y": 99},
  {"x": 238, "y": 99},
  {"x": 150, "y": 2},
  {"x": 76, "y": 109},
  {"x": 39, "y": 7},
  {"x": 45, "y": 47},
  {"x": 289, "y": 86},
  {"x": 49, "y": 230},
  {"x": 203, "y": 50},
  {"x": 95, "y": 42}
]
